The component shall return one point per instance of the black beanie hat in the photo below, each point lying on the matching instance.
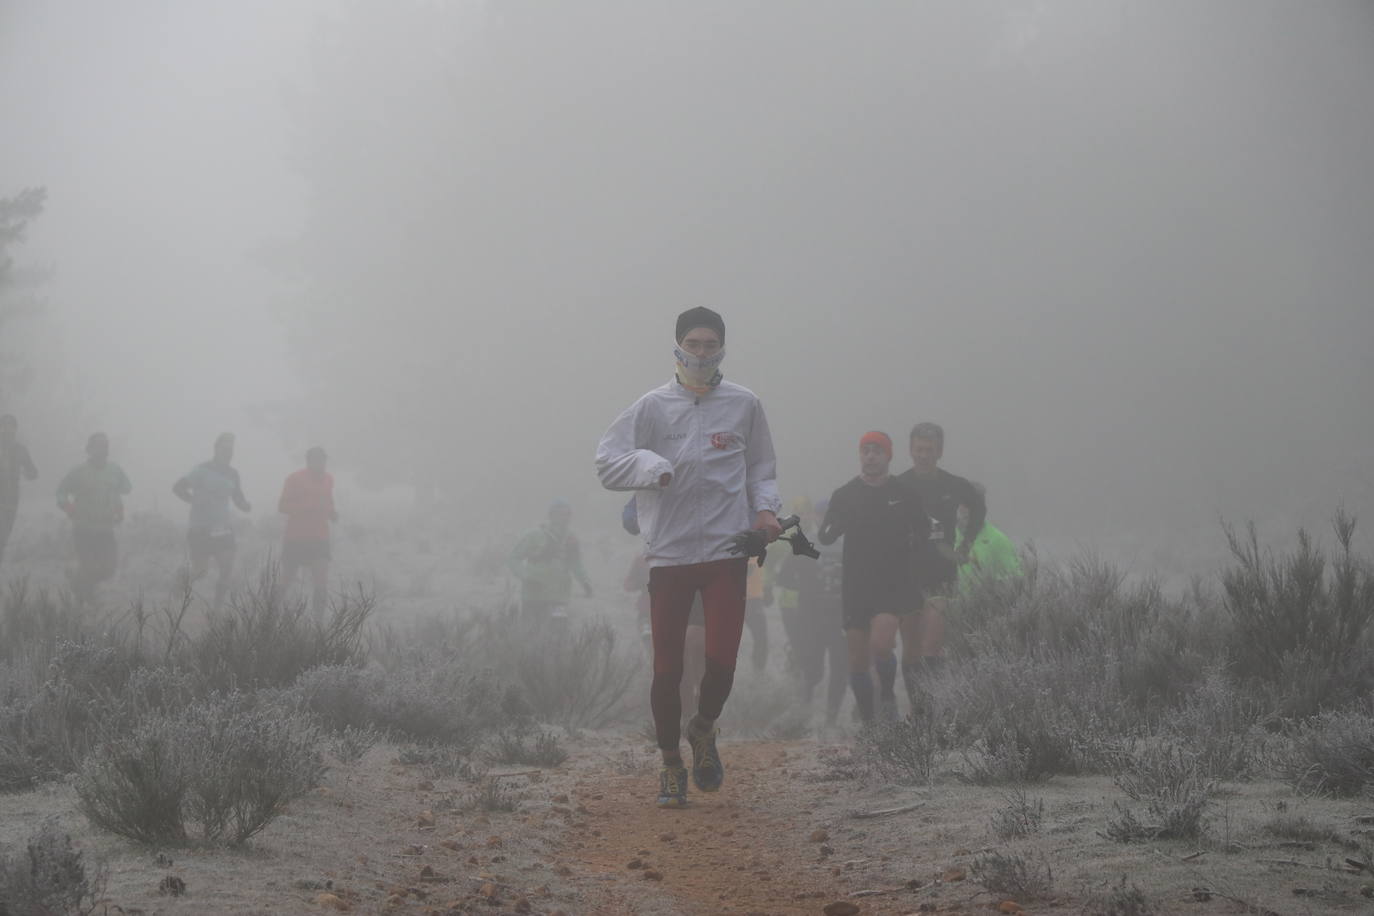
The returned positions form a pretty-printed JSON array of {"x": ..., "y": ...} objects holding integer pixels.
[{"x": 700, "y": 317}]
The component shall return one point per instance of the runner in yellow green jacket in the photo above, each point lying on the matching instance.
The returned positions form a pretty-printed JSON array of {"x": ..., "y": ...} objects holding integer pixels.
[{"x": 992, "y": 555}]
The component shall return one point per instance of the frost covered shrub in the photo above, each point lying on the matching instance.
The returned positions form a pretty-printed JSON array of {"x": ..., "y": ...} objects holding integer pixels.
[
  {"x": 523, "y": 745},
  {"x": 1122, "y": 900},
  {"x": 1154, "y": 648},
  {"x": 218, "y": 771},
  {"x": 426, "y": 701},
  {"x": 24, "y": 761},
  {"x": 1026, "y": 718},
  {"x": 246, "y": 762},
  {"x": 1055, "y": 671},
  {"x": 1159, "y": 769},
  {"x": 447, "y": 705},
  {"x": 19, "y": 770},
  {"x": 352, "y": 744},
  {"x": 157, "y": 691},
  {"x": 1332, "y": 754},
  {"x": 50, "y": 717},
  {"x": 1302, "y": 620},
  {"x": 135, "y": 784},
  {"x": 46, "y": 729},
  {"x": 1010, "y": 875},
  {"x": 904, "y": 752},
  {"x": 491, "y": 795},
  {"x": 578, "y": 678},
  {"x": 1299, "y": 828},
  {"x": 261, "y": 639},
  {"x": 82, "y": 693},
  {"x": 1222, "y": 727},
  {"x": 396, "y": 645},
  {"x": 34, "y": 621},
  {"x": 337, "y": 695},
  {"x": 48, "y": 877},
  {"x": 439, "y": 761},
  {"x": 1170, "y": 781},
  {"x": 1020, "y": 817}
]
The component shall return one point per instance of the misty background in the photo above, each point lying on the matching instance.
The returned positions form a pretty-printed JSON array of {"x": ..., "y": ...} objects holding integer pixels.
[{"x": 1123, "y": 252}]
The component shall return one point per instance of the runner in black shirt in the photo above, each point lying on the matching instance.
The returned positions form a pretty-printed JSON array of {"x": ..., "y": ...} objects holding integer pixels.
[
  {"x": 942, "y": 493},
  {"x": 885, "y": 528}
]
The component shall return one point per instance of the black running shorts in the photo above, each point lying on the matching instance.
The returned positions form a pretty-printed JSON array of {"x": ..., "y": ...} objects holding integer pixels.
[{"x": 860, "y": 605}]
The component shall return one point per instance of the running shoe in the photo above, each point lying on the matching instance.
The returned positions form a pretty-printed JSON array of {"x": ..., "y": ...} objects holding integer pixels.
[
  {"x": 672, "y": 787},
  {"x": 707, "y": 770}
]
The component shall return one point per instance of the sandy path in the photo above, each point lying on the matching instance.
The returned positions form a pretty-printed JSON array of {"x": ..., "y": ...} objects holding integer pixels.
[
  {"x": 783, "y": 836},
  {"x": 746, "y": 849}
]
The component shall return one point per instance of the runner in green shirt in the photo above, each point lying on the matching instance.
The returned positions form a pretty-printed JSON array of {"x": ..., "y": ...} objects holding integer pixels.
[
  {"x": 208, "y": 489},
  {"x": 546, "y": 560},
  {"x": 92, "y": 495}
]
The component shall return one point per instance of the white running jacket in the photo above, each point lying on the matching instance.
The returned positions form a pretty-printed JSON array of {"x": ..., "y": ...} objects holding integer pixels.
[{"x": 720, "y": 453}]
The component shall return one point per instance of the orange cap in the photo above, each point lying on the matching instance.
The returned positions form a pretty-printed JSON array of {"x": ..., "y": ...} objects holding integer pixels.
[{"x": 879, "y": 438}]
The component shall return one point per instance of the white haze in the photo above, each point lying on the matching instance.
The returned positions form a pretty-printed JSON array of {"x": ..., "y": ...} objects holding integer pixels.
[{"x": 1123, "y": 252}]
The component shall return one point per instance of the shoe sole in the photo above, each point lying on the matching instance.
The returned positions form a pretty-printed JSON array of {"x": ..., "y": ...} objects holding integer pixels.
[
  {"x": 714, "y": 787},
  {"x": 672, "y": 803},
  {"x": 719, "y": 770}
]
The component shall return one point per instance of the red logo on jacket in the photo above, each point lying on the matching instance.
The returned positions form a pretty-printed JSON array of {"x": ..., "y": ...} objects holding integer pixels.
[{"x": 723, "y": 441}]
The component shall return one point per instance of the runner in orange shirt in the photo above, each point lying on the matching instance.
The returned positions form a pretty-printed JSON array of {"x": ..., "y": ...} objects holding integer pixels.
[{"x": 307, "y": 501}]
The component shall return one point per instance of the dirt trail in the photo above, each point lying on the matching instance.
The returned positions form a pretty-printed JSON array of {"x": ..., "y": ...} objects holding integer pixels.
[
  {"x": 794, "y": 829},
  {"x": 749, "y": 848}
]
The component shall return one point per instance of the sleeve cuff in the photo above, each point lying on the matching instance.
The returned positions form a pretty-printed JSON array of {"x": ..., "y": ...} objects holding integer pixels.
[{"x": 656, "y": 472}]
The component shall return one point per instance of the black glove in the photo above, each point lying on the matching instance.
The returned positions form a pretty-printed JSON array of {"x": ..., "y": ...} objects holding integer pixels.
[{"x": 751, "y": 543}]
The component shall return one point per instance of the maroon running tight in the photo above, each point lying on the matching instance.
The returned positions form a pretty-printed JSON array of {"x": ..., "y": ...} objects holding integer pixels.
[{"x": 671, "y": 592}]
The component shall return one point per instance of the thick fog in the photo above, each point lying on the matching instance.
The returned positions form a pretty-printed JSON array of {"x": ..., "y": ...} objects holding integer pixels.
[{"x": 1123, "y": 252}]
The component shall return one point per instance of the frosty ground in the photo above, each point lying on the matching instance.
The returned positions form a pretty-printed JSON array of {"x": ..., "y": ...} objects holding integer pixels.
[
  {"x": 1097, "y": 744},
  {"x": 786, "y": 835}
]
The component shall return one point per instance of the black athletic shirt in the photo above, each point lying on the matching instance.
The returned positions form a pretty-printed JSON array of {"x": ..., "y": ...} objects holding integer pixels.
[
  {"x": 942, "y": 493},
  {"x": 885, "y": 530}
]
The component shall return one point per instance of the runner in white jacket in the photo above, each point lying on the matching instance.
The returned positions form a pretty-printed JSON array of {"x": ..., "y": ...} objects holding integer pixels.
[{"x": 698, "y": 452}]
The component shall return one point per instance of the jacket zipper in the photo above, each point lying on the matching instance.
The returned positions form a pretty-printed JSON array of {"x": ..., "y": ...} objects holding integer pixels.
[{"x": 696, "y": 502}]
